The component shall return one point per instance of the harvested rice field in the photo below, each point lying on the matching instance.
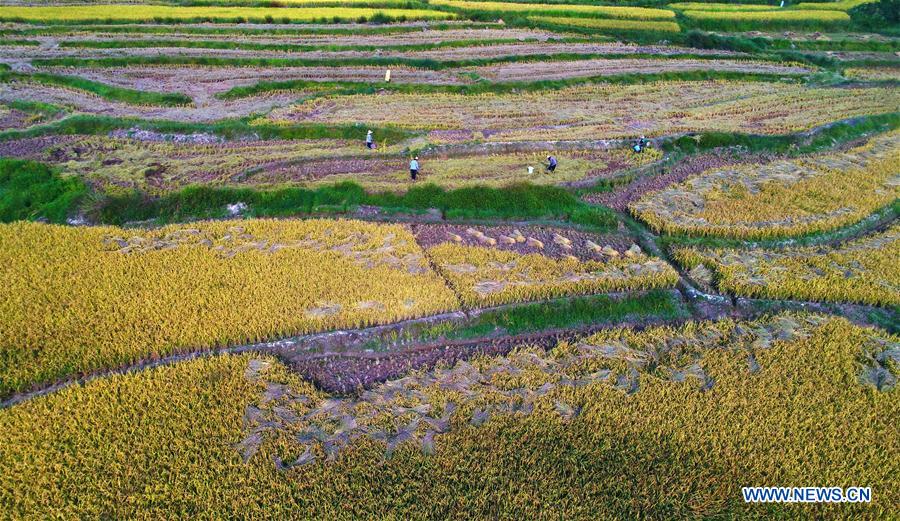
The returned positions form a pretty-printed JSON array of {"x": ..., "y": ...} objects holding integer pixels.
[
  {"x": 782, "y": 197},
  {"x": 605, "y": 110},
  {"x": 863, "y": 270},
  {"x": 152, "y": 162},
  {"x": 582, "y": 412},
  {"x": 449, "y": 259}
]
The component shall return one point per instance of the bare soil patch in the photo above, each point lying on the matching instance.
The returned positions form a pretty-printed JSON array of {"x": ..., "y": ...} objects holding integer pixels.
[
  {"x": 603, "y": 67},
  {"x": 545, "y": 240},
  {"x": 213, "y": 110},
  {"x": 621, "y": 197},
  {"x": 203, "y": 83}
]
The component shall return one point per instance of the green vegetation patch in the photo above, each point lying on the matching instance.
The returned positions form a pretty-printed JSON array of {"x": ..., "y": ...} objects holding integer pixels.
[
  {"x": 795, "y": 144},
  {"x": 571, "y": 313},
  {"x": 30, "y": 190},
  {"x": 485, "y": 87},
  {"x": 514, "y": 202},
  {"x": 86, "y": 124},
  {"x": 132, "y": 96}
]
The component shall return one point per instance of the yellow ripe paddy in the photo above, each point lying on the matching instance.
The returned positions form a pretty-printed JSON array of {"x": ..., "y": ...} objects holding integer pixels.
[
  {"x": 636, "y": 13},
  {"x": 610, "y": 24},
  {"x": 489, "y": 276},
  {"x": 842, "y": 5},
  {"x": 782, "y": 197},
  {"x": 76, "y": 300},
  {"x": 769, "y": 16},
  {"x": 712, "y": 6},
  {"x": 787, "y": 402},
  {"x": 865, "y": 270},
  {"x": 142, "y": 13}
]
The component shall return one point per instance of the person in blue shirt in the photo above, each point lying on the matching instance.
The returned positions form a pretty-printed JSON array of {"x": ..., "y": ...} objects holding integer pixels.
[
  {"x": 414, "y": 168},
  {"x": 640, "y": 144},
  {"x": 551, "y": 163},
  {"x": 370, "y": 142}
]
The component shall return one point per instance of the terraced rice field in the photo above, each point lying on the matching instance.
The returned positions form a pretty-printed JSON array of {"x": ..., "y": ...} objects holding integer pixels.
[
  {"x": 148, "y": 294},
  {"x": 875, "y": 74},
  {"x": 863, "y": 270},
  {"x": 780, "y": 198},
  {"x": 601, "y": 67},
  {"x": 605, "y": 110},
  {"x": 263, "y": 429},
  {"x": 361, "y": 47},
  {"x": 154, "y": 163},
  {"x": 448, "y": 259},
  {"x": 144, "y": 13},
  {"x": 484, "y": 275}
]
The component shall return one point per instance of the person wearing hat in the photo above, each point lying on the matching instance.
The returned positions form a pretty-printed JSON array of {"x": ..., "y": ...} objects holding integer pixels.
[
  {"x": 551, "y": 164},
  {"x": 370, "y": 143},
  {"x": 414, "y": 168}
]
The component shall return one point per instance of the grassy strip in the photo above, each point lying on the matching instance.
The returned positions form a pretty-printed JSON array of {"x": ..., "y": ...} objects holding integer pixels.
[
  {"x": 352, "y": 88},
  {"x": 564, "y": 314},
  {"x": 760, "y": 44},
  {"x": 800, "y": 143},
  {"x": 30, "y": 190},
  {"x": 135, "y": 97},
  {"x": 46, "y": 110},
  {"x": 252, "y": 46},
  {"x": 870, "y": 63},
  {"x": 419, "y": 63},
  {"x": 17, "y": 42},
  {"x": 515, "y": 202},
  {"x": 86, "y": 124}
]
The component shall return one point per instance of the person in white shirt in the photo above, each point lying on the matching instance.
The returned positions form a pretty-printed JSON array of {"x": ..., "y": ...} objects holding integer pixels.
[{"x": 414, "y": 168}]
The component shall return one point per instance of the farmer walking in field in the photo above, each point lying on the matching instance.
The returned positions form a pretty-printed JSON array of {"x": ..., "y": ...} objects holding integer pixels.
[
  {"x": 370, "y": 142},
  {"x": 551, "y": 164},
  {"x": 414, "y": 168}
]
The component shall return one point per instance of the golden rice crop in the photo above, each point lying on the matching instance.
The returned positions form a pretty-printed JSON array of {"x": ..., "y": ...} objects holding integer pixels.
[
  {"x": 75, "y": 300},
  {"x": 787, "y": 406},
  {"x": 763, "y": 17},
  {"x": 865, "y": 270},
  {"x": 717, "y": 7},
  {"x": 490, "y": 276},
  {"x": 841, "y": 5},
  {"x": 780, "y": 198},
  {"x": 139, "y": 13},
  {"x": 873, "y": 73},
  {"x": 605, "y": 23},
  {"x": 637, "y": 13}
]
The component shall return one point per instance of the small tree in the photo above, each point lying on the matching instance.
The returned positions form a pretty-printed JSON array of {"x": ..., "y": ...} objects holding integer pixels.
[{"x": 877, "y": 14}]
